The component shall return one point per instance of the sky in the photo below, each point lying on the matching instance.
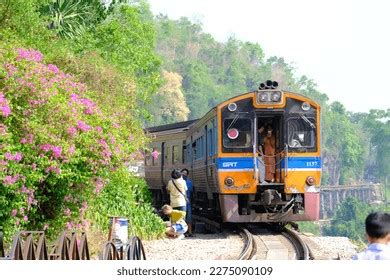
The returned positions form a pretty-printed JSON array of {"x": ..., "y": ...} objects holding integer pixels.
[{"x": 344, "y": 45}]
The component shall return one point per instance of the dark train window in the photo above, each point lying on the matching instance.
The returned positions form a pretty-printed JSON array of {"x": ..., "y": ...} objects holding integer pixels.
[
  {"x": 210, "y": 146},
  {"x": 237, "y": 133},
  {"x": 175, "y": 154},
  {"x": 148, "y": 158},
  {"x": 166, "y": 155},
  {"x": 301, "y": 133}
]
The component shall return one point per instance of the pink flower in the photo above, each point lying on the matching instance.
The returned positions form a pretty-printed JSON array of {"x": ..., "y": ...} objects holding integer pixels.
[
  {"x": 53, "y": 169},
  {"x": 8, "y": 156},
  {"x": 25, "y": 218},
  {"x": 53, "y": 68},
  {"x": 98, "y": 185},
  {"x": 30, "y": 55},
  {"x": 57, "y": 150},
  {"x": 23, "y": 140},
  {"x": 14, "y": 212},
  {"x": 83, "y": 126},
  {"x": 4, "y": 107},
  {"x": 21, "y": 210},
  {"x": 67, "y": 212},
  {"x": 99, "y": 129},
  {"x": 88, "y": 111},
  {"x": 74, "y": 97},
  {"x": 18, "y": 156},
  {"x": 155, "y": 154},
  {"x": 33, "y": 166},
  {"x": 23, "y": 189},
  {"x": 72, "y": 131},
  {"x": 17, "y": 222},
  {"x": 45, "y": 147},
  {"x": 69, "y": 225},
  {"x": 6, "y": 110},
  {"x": 10, "y": 180},
  {"x": 72, "y": 149},
  {"x": 10, "y": 68}
]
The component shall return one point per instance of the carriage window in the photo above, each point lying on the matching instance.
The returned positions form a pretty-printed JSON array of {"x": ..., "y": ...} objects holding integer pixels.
[
  {"x": 210, "y": 141},
  {"x": 237, "y": 133},
  {"x": 301, "y": 133},
  {"x": 175, "y": 154},
  {"x": 166, "y": 156},
  {"x": 148, "y": 158}
]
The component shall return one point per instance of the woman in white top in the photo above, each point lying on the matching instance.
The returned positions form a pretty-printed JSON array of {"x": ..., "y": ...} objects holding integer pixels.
[{"x": 177, "y": 188}]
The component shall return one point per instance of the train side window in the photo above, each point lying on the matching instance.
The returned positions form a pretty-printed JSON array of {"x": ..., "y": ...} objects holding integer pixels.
[
  {"x": 166, "y": 155},
  {"x": 148, "y": 158},
  {"x": 184, "y": 155},
  {"x": 201, "y": 152},
  {"x": 175, "y": 154},
  {"x": 194, "y": 149},
  {"x": 301, "y": 134},
  {"x": 210, "y": 141}
]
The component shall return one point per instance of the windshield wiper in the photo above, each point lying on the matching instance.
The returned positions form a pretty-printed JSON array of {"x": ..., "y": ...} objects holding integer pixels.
[{"x": 312, "y": 125}]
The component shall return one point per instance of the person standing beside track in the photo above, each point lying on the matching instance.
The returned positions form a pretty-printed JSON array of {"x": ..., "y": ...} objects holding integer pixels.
[
  {"x": 190, "y": 189},
  {"x": 378, "y": 236},
  {"x": 177, "y": 189}
]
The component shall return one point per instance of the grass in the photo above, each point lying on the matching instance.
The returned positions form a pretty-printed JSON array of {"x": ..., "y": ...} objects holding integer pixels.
[{"x": 310, "y": 227}]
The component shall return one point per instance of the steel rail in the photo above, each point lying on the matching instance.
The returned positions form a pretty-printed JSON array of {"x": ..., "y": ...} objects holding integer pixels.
[
  {"x": 302, "y": 250},
  {"x": 249, "y": 248}
]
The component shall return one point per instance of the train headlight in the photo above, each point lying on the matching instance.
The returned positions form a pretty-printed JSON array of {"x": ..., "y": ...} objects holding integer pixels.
[
  {"x": 229, "y": 181},
  {"x": 305, "y": 106},
  {"x": 310, "y": 181},
  {"x": 233, "y": 133},
  {"x": 263, "y": 97},
  {"x": 232, "y": 107},
  {"x": 275, "y": 96}
]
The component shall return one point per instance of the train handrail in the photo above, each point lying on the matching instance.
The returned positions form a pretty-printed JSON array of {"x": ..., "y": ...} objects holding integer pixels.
[
  {"x": 286, "y": 162},
  {"x": 255, "y": 169}
]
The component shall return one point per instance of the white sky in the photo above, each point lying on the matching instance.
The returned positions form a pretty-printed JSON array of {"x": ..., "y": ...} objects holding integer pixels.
[{"x": 343, "y": 45}]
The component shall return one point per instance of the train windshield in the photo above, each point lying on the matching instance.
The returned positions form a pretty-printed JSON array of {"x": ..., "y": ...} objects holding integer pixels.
[
  {"x": 237, "y": 133},
  {"x": 301, "y": 133}
]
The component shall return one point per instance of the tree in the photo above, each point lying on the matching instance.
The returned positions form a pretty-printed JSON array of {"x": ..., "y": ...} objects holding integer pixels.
[
  {"x": 344, "y": 150},
  {"x": 169, "y": 104}
]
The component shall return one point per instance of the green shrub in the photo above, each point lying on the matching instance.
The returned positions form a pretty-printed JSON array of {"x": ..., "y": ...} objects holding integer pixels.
[{"x": 126, "y": 196}]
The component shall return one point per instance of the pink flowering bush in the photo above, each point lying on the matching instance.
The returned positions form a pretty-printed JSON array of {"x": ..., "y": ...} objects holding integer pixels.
[{"x": 58, "y": 148}]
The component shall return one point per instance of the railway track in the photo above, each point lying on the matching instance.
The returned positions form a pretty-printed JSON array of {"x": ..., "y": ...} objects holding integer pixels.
[{"x": 272, "y": 243}]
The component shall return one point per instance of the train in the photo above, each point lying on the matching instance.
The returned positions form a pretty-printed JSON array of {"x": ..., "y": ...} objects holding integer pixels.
[{"x": 223, "y": 151}]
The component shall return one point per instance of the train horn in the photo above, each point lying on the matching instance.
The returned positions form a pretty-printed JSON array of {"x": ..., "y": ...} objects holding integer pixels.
[
  {"x": 262, "y": 86},
  {"x": 269, "y": 85}
]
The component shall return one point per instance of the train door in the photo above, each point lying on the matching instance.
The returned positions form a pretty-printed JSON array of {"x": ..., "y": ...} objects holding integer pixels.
[{"x": 275, "y": 121}]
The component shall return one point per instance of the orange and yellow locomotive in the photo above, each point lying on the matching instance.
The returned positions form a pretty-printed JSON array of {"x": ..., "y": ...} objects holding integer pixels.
[{"x": 254, "y": 158}]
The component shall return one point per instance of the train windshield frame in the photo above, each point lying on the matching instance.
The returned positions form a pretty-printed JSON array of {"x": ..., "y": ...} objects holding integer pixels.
[
  {"x": 237, "y": 134},
  {"x": 301, "y": 134}
]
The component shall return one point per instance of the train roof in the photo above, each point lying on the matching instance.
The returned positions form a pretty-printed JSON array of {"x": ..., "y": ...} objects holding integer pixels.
[{"x": 170, "y": 126}]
